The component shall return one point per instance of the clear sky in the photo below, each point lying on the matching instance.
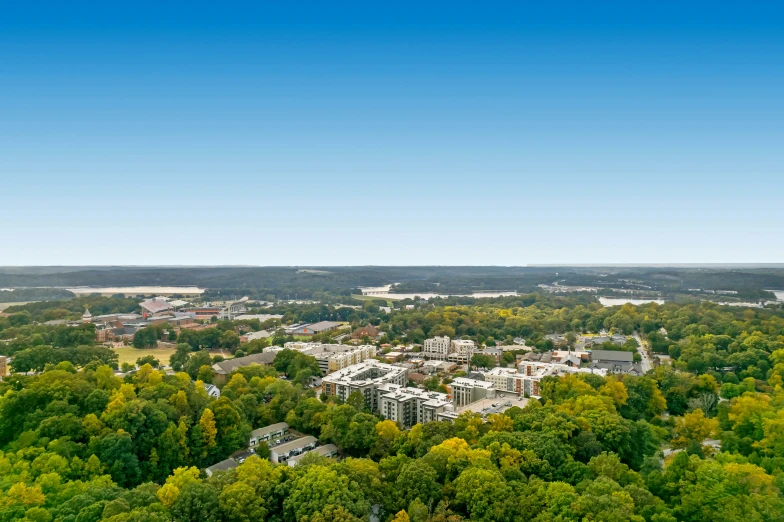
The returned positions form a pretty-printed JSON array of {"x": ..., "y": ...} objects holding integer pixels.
[{"x": 294, "y": 133}]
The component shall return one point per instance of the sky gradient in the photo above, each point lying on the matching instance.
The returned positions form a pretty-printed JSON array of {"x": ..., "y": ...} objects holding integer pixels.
[{"x": 353, "y": 133}]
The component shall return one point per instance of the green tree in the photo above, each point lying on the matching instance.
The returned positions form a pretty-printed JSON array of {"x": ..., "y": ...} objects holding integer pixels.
[
  {"x": 319, "y": 486},
  {"x": 145, "y": 338},
  {"x": 180, "y": 357},
  {"x": 197, "y": 502},
  {"x": 483, "y": 361},
  {"x": 240, "y": 502}
]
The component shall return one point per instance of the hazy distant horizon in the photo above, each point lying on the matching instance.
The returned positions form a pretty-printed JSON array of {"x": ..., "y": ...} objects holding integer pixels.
[{"x": 554, "y": 265}]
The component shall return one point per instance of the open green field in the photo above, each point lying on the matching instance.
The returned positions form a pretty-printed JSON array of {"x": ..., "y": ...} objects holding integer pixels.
[
  {"x": 3, "y": 306},
  {"x": 129, "y": 354},
  {"x": 373, "y": 298}
]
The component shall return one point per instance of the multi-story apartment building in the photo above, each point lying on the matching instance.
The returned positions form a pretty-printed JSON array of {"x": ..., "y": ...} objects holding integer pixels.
[
  {"x": 334, "y": 361},
  {"x": 437, "y": 348},
  {"x": 366, "y": 377},
  {"x": 508, "y": 380},
  {"x": 409, "y": 406},
  {"x": 333, "y": 357},
  {"x": 525, "y": 379},
  {"x": 465, "y": 391},
  {"x": 461, "y": 350}
]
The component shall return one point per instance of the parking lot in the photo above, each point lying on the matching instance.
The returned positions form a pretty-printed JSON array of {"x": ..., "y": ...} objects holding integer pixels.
[
  {"x": 496, "y": 405},
  {"x": 282, "y": 440}
]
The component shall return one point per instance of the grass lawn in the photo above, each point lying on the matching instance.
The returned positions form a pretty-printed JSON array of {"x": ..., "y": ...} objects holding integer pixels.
[
  {"x": 373, "y": 298},
  {"x": 129, "y": 354},
  {"x": 3, "y": 306}
]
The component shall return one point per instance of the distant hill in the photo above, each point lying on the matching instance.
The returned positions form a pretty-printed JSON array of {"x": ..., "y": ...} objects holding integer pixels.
[{"x": 20, "y": 295}]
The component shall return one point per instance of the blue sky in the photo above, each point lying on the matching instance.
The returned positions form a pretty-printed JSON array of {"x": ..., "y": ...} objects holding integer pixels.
[{"x": 338, "y": 133}]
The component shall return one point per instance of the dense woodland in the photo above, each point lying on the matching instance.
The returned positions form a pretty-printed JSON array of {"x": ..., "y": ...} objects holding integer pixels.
[
  {"x": 34, "y": 294},
  {"x": 80, "y": 443},
  {"x": 326, "y": 283}
]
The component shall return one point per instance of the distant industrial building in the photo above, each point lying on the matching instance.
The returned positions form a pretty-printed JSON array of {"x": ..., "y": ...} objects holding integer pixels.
[
  {"x": 615, "y": 361},
  {"x": 229, "y": 311},
  {"x": 315, "y": 328},
  {"x": 252, "y": 336},
  {"x": 260, "y": 317},
  {"x": 155, "y": 306}
]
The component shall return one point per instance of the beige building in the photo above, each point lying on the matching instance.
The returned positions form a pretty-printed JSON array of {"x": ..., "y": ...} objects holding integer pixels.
[
  {"x": 334, "y": 357},
  {"x": 465, "y": 391},
  {"x": 461, "y": 350},
  {"x": 437, "y": 348}
]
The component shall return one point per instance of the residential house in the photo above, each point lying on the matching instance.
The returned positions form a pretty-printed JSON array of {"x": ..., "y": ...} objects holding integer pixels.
[
  {"x": 328, "y": 450},
  {"x": 283, "y": 452},
  {"x": 223, "y": 465},
  {"x": 222, "y": 369},
  {"x": 212, "y": 390},
  {"x": 366, "y": 331},
  {"x": 268, "y": 433}
]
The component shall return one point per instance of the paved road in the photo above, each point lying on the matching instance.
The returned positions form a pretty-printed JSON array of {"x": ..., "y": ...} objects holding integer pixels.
[{"x": 646, "y": 361}]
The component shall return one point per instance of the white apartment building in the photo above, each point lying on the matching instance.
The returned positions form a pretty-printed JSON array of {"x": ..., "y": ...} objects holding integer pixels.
[
  {"x": 366, "y": 377},
  {"x": 461, "y": 350},
  {"x": 409, "y": 406},
  {"x": 437, "y": 348}
]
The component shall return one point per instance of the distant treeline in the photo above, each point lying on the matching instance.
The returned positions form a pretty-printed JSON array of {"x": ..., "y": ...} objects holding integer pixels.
[
  {"x": 327, "y": 283},
  {"x": 19, "y": 295},
  {"x": 71, "y": 309}
]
